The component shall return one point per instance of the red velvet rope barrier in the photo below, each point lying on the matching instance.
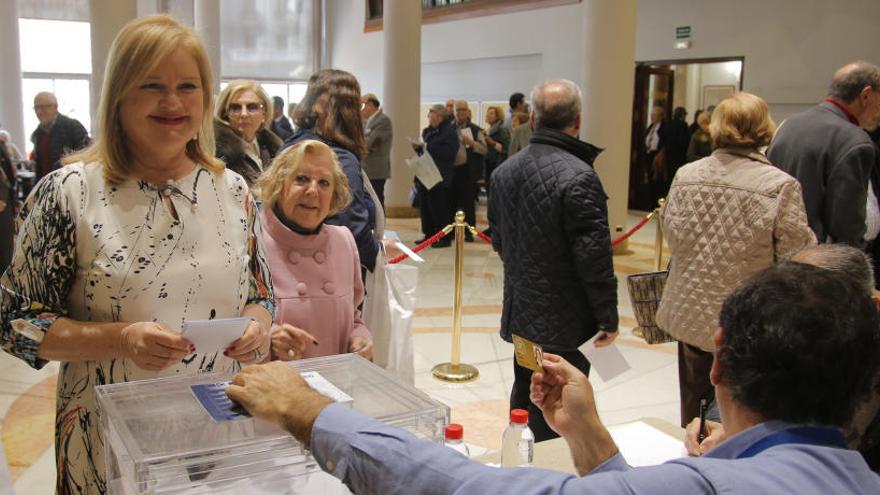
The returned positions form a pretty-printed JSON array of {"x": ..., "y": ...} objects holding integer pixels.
[
  {"x": 439, "y": 235},
  {"x": 431, "y": 240},
  {"x": 633, "y": 230}
]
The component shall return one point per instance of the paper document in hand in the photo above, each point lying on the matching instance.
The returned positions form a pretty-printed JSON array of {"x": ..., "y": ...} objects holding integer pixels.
[
  {"x": 214, "y": 335},
  {"x": 466, "y": 132},
  {"x": 409, "y": 252},
  {"x": 608, "y": 361},
  {"x": 425, "y": 170}
]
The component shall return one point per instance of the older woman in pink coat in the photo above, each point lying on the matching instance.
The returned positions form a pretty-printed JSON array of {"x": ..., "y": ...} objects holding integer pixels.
[{"x": 315, "y": 267}]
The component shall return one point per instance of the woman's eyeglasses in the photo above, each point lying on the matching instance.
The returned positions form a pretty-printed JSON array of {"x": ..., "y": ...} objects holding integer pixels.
[{"x": 238, "y": 108}]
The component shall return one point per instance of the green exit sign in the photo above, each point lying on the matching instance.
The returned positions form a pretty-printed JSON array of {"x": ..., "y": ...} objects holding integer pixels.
[{"x": 682, "y": 32}]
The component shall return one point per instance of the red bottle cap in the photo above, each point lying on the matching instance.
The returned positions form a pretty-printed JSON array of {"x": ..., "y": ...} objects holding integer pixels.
[
  {"x": 453, "y": 431},
  {"x": 519, "y": 416}
]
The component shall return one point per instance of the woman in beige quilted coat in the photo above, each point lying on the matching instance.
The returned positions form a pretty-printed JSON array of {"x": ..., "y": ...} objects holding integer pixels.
[{"x": 727, "y": 216}]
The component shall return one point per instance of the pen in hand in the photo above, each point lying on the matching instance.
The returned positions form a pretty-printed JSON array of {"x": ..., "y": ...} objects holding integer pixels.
[{"x": 704, "y": 405}]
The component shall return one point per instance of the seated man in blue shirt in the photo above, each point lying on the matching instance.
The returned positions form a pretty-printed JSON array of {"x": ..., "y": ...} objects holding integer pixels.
[{"x": 791, "y": 363}]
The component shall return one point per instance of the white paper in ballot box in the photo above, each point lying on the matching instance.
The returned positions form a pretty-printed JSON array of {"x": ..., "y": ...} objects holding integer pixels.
[{"x": 425, "y": 169}]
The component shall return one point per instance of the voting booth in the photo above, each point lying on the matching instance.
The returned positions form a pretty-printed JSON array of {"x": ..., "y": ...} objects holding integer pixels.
[{"x": 179, "y": 435}]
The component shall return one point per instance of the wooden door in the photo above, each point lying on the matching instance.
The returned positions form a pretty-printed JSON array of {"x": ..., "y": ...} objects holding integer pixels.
[{"x": 653, "y": 86}]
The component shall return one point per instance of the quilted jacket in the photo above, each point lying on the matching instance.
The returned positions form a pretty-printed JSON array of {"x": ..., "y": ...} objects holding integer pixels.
[
  {"x": 727, "y": 216},
  {"x": 549, "y": 221}
]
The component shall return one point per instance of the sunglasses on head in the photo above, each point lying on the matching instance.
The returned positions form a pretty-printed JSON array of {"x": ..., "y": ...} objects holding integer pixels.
[{"x": 237, "y": 108}]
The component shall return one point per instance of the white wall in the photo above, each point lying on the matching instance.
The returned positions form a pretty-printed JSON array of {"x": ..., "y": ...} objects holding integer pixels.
[
  {"x": 484, "y": 58},
  {"x": 791, "y": 47}
]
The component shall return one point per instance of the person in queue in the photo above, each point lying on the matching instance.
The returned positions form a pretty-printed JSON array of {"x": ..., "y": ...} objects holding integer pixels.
[
  {"x": 139, "y": 233},
  {"x": 315, "y": 267},
  {"x": 781, "y": 385},
  {"x": 330, "y": 112},
  {"x": 441, "y": 142},
  {"x": 700, "y": 145},
  {"x": 726, "y": 216},
  {"x": 863, "y": 431},
  {"x": 242, "y": 125},
  {"x": 497, "y": 141}
]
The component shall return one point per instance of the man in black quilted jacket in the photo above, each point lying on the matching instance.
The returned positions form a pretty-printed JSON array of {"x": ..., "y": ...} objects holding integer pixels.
[{"x": 549, "y": 221}]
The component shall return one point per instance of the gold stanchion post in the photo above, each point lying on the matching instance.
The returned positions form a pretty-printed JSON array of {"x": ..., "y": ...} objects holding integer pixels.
[
  {"x": 456, "y": 371},
  {"x": 658, "y": 244}
]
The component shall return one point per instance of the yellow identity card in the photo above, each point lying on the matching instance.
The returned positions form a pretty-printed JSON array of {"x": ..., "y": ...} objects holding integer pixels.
[{"x": 528, "y": 354}]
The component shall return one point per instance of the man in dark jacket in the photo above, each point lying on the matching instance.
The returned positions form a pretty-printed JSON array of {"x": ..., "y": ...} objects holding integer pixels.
[
  {"x": 831, "y": 157},
  {"x": 657, "y": 154},
  {"x": 280, "y": 125},
  {"x": 441, "y": 141},
  {"x": 549, "y": 222},
  {"x": 56, "y": 136},
  {"x": 679, "y": 138},
  {"x": 468, "y": 165}
]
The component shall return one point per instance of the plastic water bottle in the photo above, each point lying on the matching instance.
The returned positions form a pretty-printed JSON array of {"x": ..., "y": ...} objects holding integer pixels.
[
  {"x": 454, "y": 434},
  {"x": 518, "y": 441}
]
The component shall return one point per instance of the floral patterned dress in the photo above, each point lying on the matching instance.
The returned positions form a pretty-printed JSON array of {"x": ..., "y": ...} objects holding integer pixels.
[{"x": 92, "y": 251}]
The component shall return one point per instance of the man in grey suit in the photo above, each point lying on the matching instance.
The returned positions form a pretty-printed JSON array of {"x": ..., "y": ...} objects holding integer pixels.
[
  {"x": 377, "y": 130},
  {"x": 828, "y": 151}
]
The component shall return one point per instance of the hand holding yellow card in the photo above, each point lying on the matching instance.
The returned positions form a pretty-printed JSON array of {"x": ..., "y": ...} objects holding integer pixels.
[{"x": 528, "y": 354}]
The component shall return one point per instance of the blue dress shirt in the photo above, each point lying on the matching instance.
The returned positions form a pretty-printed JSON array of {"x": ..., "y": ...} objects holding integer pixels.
[{"x": 371, "y": 457}]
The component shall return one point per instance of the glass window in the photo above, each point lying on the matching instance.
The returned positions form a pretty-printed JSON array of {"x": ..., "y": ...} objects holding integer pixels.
[
  {"x": 275, "y": 89},
  {"x": 73, "y": 101},
  {"x": 296, "y": 92},
  {"x": 40, "y": 51},
  {"x": 272, "y": 39}
]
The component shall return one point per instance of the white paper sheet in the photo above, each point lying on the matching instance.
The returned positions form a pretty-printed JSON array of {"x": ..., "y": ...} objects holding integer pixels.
[
  {"x": 425, "y": 169},
  {"x": 643, "y": 445},
  {"x": 466, "y": 131},
  {"x": 608, "y": 361},
  {"x": 214, "y": 335}
]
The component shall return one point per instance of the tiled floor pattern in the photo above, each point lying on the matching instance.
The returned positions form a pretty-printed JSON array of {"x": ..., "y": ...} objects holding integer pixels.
[{"x": 649, "y": 389}]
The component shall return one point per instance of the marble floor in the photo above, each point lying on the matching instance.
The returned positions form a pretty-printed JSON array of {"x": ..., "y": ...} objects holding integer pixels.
[{"x": 648, "y": 389}]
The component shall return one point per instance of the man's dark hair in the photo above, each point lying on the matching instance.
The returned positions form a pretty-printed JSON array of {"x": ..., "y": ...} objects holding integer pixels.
[
  {"x": 373, "y": 100},
  {"x": 278, "y": 103},
  {"x": 516, "y": 99},
  {"x": 679, "y": 113},
  {"x": 800, "y": 344},
  {"x": 850, "y": 80}
]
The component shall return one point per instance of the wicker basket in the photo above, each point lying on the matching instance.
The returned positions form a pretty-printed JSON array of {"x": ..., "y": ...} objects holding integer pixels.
[{"x": 645, "y": 291}]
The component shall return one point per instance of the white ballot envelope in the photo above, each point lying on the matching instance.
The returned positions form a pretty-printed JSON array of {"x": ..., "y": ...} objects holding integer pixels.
[
  {"x": 467, "y": 132},
  {"x": 608, "y": 361},
  {"x": 214, "y": 335}
]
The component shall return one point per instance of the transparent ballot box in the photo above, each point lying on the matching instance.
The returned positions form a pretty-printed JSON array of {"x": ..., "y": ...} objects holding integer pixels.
[{"x": 161, "y": 439}]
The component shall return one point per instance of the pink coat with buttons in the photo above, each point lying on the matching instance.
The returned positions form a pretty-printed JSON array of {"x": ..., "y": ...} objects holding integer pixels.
[{"x": 317, "y": 282}]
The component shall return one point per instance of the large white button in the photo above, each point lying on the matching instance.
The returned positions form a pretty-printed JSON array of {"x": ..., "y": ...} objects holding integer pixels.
[
  {"x": 329, "y": 288},
  {"x": 293, "y": 257},
  {"x": 320, "y": 257},
  {"x": 301, "y": 288}
]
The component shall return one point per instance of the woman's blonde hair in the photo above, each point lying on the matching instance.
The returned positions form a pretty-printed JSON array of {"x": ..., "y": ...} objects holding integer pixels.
[
  {"x": 285, "y": 167},
  {"x": 234, "y": 89},
  {"x": 137, "y": 50},
  {"x": 742, "y": 121}
]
